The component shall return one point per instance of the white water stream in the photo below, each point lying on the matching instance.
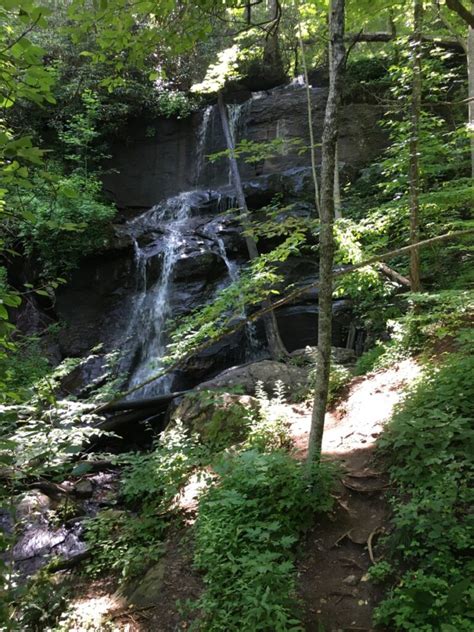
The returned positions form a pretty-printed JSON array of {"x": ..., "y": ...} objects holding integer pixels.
[{"x": 151, "y": 309}]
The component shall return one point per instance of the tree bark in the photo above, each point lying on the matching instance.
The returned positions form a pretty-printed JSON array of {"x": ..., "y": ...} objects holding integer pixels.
[
  {"x": 275, "y": 343},
  {"x": 462, "y": 11},
  {"x": 416, "y": 47},
  {"x": 272, "y": 53},
  {"x": 337, "y": 188},
  {"x": 468, "y": 17},
  {"x": 310, "y": 123},
  {"x": 394, "y": 275},
  {"x": 470, "y": 71},
  {"x": 326, "y": 236}
]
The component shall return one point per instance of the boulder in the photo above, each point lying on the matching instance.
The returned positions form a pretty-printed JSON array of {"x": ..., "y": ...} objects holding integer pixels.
[
  {"x": 220, "y": 419},
  {"x": 269, "y": 372},
  {"x": 84, "y": 488},
  {"x": 33, "y": 503},
  {"x": 145, "y": 591}
]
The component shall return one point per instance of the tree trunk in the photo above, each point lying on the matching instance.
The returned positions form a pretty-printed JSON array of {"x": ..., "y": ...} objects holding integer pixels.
[
  {"x": 416, "y": 47},
  {"x": 337, "y": 187},
  {"x": 326, "y": 237},
  {"x": 272, "y": 54},
  {"x": 470, "y": 70},
  {"x": 310, "y": 123},
  {"x": 275, "y": 343}
]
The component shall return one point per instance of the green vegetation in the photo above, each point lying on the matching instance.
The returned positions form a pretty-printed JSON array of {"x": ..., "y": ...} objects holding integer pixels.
[
  {"x": 429, "y": 446},
  {"x": 248, "y": 525},
  {"x": 428, "y": 321}
]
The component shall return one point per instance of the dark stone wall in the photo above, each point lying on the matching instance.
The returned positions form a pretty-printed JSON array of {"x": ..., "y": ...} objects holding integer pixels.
[{"x": 158, "y": 158}]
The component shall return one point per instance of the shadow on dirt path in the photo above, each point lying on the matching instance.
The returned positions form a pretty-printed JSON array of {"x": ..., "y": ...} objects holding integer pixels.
[{"x": 338, "y": 551}]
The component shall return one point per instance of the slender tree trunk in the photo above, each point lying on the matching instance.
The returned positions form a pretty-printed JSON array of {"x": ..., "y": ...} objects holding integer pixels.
[
  {"x": 272, "y": 53},
  {"x": 310, "y": 124},
  {"x": 326, "y": 236},
  {"x": 275, "y": 343},
  {"x": 337, "y": 187},
  {"x": 470, "y": 70},
  {"x": 467, "y": 15},
  {"x": 416, "y": 47}
]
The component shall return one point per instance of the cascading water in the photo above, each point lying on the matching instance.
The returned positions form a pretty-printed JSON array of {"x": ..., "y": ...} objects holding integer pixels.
[
  {"x": 202, "y": 136},
  {"x": 147, "y": 331},
  {"x": 232, "y": 267},
  {"x": 160, "y": 234},
  {"x": 237, "y": 114}
]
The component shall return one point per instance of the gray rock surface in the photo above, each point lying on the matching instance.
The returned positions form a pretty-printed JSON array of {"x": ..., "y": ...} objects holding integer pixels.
[
  {"x": 294, "y": 378},
  {"x": 143, "y": 592},
  {"x": 158, "y": 158}
]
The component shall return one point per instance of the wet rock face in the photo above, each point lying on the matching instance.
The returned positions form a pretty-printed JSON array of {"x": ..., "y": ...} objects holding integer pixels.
[
  {"x": 114, "y": 297},
  {"x": 152, "y": 166}
]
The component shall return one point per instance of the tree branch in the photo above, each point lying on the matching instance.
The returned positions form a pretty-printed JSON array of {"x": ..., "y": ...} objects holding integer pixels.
[
  {"x": 460, "y": 9},
  {"x": 383, "y": 37},
  {"x": 283, "y": 301}
]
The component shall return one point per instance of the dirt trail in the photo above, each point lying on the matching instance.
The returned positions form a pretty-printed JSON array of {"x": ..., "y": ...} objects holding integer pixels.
[
  {"x": 334, "y": 556},
  {"x": 336, "y": 553}
]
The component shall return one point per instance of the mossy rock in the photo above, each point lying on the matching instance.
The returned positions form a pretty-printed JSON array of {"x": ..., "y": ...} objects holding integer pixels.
[
  {"x": 144, "y": 591},
  {"x": 219, "y": 419}
]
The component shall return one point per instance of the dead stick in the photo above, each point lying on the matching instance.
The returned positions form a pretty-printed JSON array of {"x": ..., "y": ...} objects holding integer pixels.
[{"x": 369, "y": 544}]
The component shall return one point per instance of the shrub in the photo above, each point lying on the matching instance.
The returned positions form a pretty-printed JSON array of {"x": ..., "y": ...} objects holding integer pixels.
[
  {"x": 429, "y": 445},
  {"x": 127, "y": 542},
  {"x": 247, "y": 526}
]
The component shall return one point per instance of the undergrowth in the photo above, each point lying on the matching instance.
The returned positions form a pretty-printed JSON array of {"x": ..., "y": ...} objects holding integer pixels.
[
  {"x": 430, "y": 318},
  {"x": 249, "y": 522},
  {"x": 429, "y": 443},
  {"x": 127, "y": 541}
]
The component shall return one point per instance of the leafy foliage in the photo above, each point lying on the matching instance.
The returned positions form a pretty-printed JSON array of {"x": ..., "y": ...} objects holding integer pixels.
[
  {"x": 247, "y": 526},
  {"x": 66, "y": 221},
  {"x": 429, "y": 319},
  {"x": 126, "y": 541},
  {"x": 429, "y": 444}
]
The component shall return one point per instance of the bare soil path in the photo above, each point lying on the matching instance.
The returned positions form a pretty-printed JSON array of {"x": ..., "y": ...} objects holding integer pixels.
[{"x": 337, "y": 552}]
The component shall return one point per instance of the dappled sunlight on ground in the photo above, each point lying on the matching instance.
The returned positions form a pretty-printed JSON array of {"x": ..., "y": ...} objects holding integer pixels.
[
  {"x": 332, "y": 572},
  {"x": 188, "y": 499},
  {"x": 358, "y": 420},
  {"x": 92, "y": 613},
  {"x": 338, "y": 551}
]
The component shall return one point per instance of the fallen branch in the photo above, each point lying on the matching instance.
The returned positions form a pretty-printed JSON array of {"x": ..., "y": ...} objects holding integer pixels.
[
  {"x": 283, "y": 301},
  {"x": 393, "y": 274},
  {"x": 140, "y": 404},
  {"x": 384, "y": 37},
  {"x": 369, "y": 544}
]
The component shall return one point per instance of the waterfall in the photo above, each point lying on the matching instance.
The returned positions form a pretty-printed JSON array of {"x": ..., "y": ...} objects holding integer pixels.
[
  {"x": 237, "y": 114},
  {"x": 202, "y": 135},
  {"x": 232, "y": 267},
  {"x": 147, "y": 328}
]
